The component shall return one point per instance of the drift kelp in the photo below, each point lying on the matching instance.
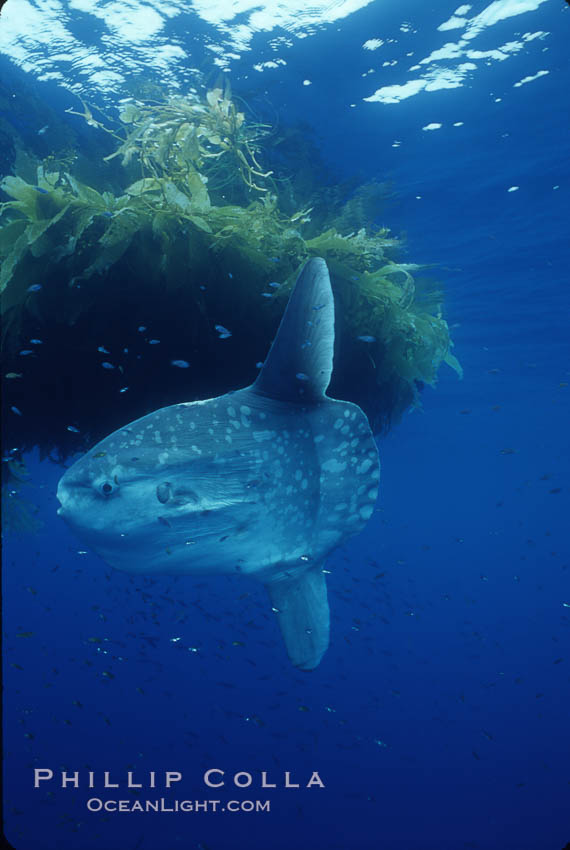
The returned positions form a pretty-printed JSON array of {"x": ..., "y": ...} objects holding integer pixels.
[{"x": 195, "y": 237}]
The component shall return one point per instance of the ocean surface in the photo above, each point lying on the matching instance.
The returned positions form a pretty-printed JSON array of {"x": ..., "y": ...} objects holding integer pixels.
[{"x": 439, "y": 717}]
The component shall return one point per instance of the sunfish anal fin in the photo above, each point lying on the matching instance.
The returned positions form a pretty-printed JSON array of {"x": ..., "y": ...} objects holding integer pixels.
[{"x": 302, "y": 609}]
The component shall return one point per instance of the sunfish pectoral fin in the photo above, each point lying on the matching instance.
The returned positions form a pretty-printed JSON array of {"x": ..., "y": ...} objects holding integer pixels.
[{"x": 302, "y": 609}]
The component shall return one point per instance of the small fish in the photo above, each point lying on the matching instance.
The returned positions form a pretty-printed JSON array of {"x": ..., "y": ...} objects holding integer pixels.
[
  {"x": 259, "y": 364},
  {"x": 107, "y": 365},
  {"x": 223, "y": 332},
  {"x": 100, "y": 454},
  {"x": 13, "y": 375},
  {"x": 141, "y": 329},
  {"x": 267, "y": 295},
  {"x": 24, "y": 634},
  {"x": 40, "y": 190},
  {"x": 16, "y": 410},
  {"x": 26, "y": 351},
  {"x": 73, "y": 429},
  {"x": 123, "y": 389},
  {"x": 202, "y": 287},
  {"x": 107, "y": 214},
  {"x": 43, "y": 130},
  {"x": 35, "y": 287},
  {"x": 181, "y": 364},
  {"x": 274, "y": 285},
  {"x": 230, "y": 275},
  {"x": 103, "y": 350},
  {"x": 36, "y": 342},
  {"x": 301, "y": 376},
  {"x": 366, "y": 338}
]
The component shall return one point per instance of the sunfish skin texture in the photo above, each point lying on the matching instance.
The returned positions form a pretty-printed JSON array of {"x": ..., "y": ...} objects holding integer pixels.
[{"x": 264, "y": 482}]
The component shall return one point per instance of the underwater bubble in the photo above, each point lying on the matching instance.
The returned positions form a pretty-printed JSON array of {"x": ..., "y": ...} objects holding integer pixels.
[
  {"x": 181, "y": 364},
  {"x": 35, "y": 287}
]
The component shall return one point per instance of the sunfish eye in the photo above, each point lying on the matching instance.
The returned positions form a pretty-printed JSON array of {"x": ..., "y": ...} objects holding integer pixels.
[{"x": 163, "y": 492}]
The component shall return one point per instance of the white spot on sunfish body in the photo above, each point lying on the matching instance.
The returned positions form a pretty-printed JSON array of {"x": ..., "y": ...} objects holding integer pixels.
[
  {"x": 157, "y": 437},
  {"x": 366, "y": 512},
  {"x": 364, "y": 466},
  {"x": 333, "y": 465}
]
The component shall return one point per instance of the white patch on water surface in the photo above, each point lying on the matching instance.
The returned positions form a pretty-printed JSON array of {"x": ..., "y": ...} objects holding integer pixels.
[
  {"x": 373, "y": 44},
  {"x": 34, "y": 33},
  {"x": 438, "y": 76},
  {"x": 530, "y": 79}
]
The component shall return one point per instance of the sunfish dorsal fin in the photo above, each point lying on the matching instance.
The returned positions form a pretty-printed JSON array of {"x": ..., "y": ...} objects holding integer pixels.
[
  {"x": 299, "y": 364},
  {"x": 302, "y": 610}
]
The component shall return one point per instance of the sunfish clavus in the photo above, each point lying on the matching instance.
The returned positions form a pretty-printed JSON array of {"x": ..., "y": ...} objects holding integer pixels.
[{"x": 264, "y": 482}]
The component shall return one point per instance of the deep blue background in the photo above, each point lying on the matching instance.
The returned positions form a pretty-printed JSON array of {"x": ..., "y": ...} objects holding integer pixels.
[{"x": 439, "y": 716}]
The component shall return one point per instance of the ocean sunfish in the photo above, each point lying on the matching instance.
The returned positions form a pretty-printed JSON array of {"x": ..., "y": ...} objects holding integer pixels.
[{"x": 262, "y": 482}]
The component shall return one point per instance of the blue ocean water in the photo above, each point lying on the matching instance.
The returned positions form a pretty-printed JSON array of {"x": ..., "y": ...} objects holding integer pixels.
[{"x": 438, "y": 719}]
